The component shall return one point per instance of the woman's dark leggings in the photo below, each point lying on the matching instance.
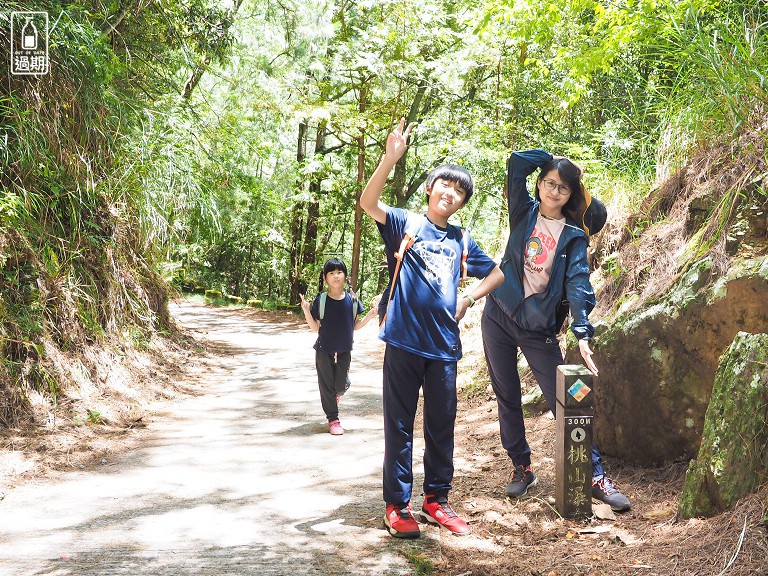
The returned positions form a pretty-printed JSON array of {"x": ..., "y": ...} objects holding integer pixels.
[{"x": 501, "y": 344}]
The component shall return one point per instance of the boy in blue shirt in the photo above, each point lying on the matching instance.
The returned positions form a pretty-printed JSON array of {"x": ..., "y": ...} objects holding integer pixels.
[{"x": 422, "y": 334}]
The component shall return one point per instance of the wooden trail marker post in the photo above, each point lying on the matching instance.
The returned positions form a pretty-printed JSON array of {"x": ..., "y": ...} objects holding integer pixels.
[{"x": 573, "y": 448}]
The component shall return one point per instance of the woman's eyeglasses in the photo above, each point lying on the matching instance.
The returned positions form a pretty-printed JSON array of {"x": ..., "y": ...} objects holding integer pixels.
[{"x": 551, "y": 185}]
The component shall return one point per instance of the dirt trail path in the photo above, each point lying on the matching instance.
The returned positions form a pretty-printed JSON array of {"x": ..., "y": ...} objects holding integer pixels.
[{"x": 243, "y": 479}]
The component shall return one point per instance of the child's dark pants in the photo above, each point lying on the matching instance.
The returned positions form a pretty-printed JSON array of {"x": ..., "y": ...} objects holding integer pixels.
[
  {"x": 404, "y": 374},
  {"x": 332, "y": 373}
]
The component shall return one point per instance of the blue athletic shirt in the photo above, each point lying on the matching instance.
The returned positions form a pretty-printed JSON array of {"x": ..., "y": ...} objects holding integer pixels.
[
  {"x": 337, "y": 326},
  {"x": 421, "y": 314}
]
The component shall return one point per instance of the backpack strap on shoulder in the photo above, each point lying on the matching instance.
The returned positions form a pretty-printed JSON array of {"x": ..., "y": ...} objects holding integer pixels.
[
  {"x": 408, "y": 240},
  {"x": 353, "y": 296},
  {"x": 321, "y": 306}
]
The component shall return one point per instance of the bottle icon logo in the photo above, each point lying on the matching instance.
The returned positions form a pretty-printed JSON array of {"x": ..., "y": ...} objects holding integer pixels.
[
  {"x": 29, "y": 44},
  {"x": 29, "y": 36}
]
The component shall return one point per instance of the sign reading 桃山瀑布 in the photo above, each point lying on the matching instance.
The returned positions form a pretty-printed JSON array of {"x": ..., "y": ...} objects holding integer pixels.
[{"x": 573, "y": 442}]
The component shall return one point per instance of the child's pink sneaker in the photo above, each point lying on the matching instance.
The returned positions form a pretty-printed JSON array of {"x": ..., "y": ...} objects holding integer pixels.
[{"x": 334, "y": 427}]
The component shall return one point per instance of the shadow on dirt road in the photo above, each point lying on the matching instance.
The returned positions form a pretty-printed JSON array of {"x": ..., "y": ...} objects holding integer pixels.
[{"x": 243, "y": 479}]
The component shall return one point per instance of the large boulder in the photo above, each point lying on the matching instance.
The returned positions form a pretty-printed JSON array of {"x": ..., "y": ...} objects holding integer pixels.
[
  {"x": 657, "y": 365},
  {"x": 732, "y": 460}
]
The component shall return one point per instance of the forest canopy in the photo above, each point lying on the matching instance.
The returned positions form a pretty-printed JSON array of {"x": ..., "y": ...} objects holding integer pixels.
[{"x": 221, "y": 145}]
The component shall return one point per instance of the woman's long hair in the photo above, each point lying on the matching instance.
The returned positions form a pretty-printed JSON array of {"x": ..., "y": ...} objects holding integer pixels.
[{"x": 570, "y": 173}]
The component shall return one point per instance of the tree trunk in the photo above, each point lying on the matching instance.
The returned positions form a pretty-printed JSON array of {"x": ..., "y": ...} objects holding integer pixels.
[
  {"x": 298, "y": 213},
  {"x": 401, "y": 190},
  {"x": 202, "y": 66},
  {"x": 197, "y": 75},
  {"x": 355, "y": 268},
  {"x": 309, "y": 243}
]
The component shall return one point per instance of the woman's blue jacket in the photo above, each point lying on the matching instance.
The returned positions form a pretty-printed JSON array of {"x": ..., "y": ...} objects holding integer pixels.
[{"x": 569, "y": 279}]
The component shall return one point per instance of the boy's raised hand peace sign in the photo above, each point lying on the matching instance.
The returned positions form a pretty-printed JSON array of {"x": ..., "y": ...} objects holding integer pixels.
[
  {"x": 370, "y": 199},
  {"x": 397, "y": 140}
]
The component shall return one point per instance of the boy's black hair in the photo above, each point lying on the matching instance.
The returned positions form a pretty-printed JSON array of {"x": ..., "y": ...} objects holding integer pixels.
[
  {"x": 331, "y": 265},
  {"x": 453, "y": 173}
]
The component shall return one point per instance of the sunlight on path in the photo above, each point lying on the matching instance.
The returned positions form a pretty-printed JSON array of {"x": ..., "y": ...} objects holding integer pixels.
[{"x": 244, "y": 479}]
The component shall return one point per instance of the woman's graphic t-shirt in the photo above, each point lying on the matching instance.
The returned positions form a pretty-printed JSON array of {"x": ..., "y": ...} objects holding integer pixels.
[{"x": 540, "y": 254}]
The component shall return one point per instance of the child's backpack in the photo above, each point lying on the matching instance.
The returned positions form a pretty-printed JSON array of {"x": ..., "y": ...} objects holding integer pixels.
[
  {"x": 323, "y": 298},
  {"x": 409, "y": 238}
]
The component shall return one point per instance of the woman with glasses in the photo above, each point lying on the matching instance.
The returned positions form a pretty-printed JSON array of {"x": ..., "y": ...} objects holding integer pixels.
[{"x": 545, "y": 264}]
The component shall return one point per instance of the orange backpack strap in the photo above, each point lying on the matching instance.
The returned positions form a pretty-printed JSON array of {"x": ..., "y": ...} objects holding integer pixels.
[{"x": 408, "y": 239}]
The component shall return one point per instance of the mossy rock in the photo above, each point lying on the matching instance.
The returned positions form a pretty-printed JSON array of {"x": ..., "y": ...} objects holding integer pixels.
[
  {"x": 534, "y": 402},
  {"x": 765, "y": 516},
  {"x": 213, "y": 294},
  {"x": 235, "y": 299},
  {"x": 255, "y": 303},
  {"x": 286, "y": 307},
  {"x": 658, "y": 363},
  {"x": 198, "y": 290},
  {"x": 732, "y": 460}
]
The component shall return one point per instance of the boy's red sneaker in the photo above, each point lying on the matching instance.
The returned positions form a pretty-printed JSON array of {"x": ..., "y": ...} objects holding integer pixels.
[
  {"x": 437, "y": 511},
  {"x": 400, "y": 523}
]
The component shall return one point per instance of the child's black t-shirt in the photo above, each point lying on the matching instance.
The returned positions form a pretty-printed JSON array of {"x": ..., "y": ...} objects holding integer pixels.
[{"x": 338, "y": 324}]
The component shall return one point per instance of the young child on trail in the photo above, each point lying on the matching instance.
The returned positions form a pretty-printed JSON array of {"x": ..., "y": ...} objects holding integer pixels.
[
  {"x": 421, "y": 332},
  {"x": 334, "y": 315},
  {"x": 545, "y": 263}
]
